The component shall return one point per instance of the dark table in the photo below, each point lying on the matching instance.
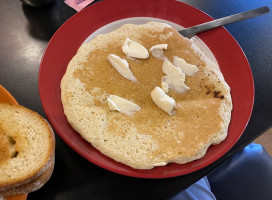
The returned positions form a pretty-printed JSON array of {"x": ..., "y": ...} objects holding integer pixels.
[{"x": 25, "y": 32}]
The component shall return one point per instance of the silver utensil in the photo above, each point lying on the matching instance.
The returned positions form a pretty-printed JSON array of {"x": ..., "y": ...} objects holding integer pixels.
[{"x": 190, "y": 32}]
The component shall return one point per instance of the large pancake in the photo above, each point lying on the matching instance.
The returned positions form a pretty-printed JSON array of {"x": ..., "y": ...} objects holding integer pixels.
[{"x": 149, "y": 137}]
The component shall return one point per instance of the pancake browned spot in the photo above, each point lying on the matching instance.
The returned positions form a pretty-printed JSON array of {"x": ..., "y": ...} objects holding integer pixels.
[{"x": 150, "y": 137}]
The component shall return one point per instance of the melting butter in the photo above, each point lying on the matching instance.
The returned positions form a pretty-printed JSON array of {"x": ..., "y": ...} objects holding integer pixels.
[
  {"x": 163, "y": 101},
  {"x": 122, "y": 105},
  {"x": 134, "y": 49},
  {"x": 122, "y": 66}
]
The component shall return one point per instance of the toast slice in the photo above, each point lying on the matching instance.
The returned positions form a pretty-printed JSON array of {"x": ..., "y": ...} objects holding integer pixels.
[{"x": 27, "y": 146}]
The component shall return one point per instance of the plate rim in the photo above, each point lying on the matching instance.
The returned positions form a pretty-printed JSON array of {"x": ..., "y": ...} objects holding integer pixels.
[{"x": 11, "y": 99}]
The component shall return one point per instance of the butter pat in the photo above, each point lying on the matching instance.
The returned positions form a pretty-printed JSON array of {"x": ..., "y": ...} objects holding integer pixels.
[
  {"x": 122, "y": 105},
  {"x": 163, "y": 101},
  {"x": 174, "y": 78},
  {"x": 188, "y": 69},
  {"x": 157, "y": 51},
  {"x": 121, "y": 65},
  {"x": 134, "y": 49},
  {"x": 165, "y": 87}
]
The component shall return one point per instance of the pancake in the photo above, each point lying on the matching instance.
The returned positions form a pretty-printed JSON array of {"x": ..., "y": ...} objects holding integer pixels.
[{"x": 149, "y": 137}]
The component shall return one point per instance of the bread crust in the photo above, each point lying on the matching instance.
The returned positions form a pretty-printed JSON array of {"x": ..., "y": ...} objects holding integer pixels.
[
  {"x": 9, "y": 115},
  {"x": 33, "y": 185}
]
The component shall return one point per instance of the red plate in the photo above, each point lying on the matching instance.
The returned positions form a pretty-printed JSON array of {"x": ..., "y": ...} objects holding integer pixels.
[{"x": 72, "y": 34}]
